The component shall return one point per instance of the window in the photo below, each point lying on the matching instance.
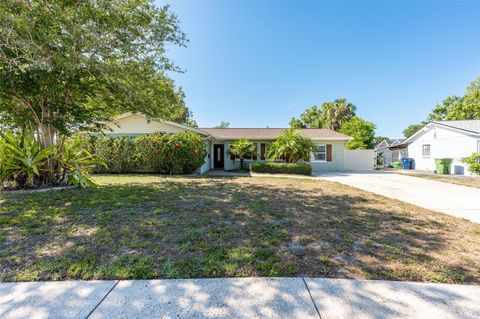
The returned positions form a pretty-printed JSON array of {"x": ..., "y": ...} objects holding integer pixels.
[
  {"x": 426, "y": 150},
  {"x": 320, "y": 153}
]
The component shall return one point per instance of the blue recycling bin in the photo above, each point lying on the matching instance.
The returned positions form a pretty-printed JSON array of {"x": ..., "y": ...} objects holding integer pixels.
[{"x": 408, "y": 163}]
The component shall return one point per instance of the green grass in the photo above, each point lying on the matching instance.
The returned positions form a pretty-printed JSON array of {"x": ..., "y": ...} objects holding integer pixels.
[{"x": 148, "y": 226}]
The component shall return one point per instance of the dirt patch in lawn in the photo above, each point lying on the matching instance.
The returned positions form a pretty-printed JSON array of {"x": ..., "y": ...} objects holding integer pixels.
[{"x": 172, "y": 227}]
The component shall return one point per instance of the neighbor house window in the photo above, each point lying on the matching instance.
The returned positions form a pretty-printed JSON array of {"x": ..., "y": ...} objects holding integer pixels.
[
  {"x": 320, "y": 153},
  {"x": 426, "y": 150},
  {"x": 478, "y": 146}
]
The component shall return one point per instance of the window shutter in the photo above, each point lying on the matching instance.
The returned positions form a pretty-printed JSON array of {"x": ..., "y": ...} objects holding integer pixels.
[
  {"x": 329, "y": 152},
  {"x": 262, "y": 151},
  {"x": 254, "y": 157}
]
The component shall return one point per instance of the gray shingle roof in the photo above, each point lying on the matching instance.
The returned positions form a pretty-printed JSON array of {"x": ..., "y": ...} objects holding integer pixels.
[
  {"x": 271, "y": 133},
  {"x": 467, "y": 125}
]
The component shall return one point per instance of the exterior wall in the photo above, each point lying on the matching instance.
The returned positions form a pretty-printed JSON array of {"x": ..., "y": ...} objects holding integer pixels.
[
  {"x": 207, "y": 164},
  {"x": 134, "y": 125},
  {"x": 338, "y": 158},
  {"x": 337, "y": 163},
  {"x": 359, "y": 159},
  {"x": 444, "y": 143}
]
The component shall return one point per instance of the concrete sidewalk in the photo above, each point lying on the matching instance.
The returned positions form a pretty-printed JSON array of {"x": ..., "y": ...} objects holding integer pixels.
[{"x": 239, "y": 298}]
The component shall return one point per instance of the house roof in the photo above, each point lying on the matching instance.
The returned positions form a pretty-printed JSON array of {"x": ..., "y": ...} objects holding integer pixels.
[
  {"x": 390, "y": 142},
  {"x": 464, "y": 126},
  {"x": 271, "y": 133}
]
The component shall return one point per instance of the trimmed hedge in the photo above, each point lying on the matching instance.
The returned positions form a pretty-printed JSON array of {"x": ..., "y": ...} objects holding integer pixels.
[
  {"x": 180, "y": 153},
  {"x": 282, "y": 168}
]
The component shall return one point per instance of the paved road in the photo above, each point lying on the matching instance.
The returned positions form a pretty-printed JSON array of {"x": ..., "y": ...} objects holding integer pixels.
[
  {"x": 301, "y": 298},
  {"x": 455, "y": 200}
]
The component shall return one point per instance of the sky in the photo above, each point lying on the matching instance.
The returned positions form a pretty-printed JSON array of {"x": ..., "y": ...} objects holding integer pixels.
[{"x": 257, "y": 64}]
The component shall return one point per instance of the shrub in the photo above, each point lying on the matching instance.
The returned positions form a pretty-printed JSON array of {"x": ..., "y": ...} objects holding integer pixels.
[
  {"x": 118, "y": 154},
  {"x": 473, "y": 162},
  {"x": 180, "y": 153},
  {"x": 291, "y": 146},
  {"x": 242, "y": 148},
  {"x": 25, "y": 163},
  {"x": 282, "y": 168}
]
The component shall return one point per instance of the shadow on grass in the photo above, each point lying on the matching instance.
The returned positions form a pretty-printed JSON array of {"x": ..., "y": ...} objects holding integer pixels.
[{"x": 229, "y": 227}]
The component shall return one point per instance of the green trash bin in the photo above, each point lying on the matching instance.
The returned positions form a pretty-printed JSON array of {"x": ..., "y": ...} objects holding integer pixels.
[{"x": 443, "y": 165}]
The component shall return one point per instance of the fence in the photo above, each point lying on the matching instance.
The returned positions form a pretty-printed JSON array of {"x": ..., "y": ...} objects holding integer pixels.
[{"x": 359, "y": 159}]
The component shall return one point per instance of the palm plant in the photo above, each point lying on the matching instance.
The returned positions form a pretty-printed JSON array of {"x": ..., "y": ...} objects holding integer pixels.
[
  {"x": 291, "y": 146},
  {"x": 336, "y": 113},
  {"x": 242, "y": 149}
]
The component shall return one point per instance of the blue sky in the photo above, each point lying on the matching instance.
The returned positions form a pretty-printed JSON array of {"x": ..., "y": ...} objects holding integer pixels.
[{"x": 257, "y": 64}]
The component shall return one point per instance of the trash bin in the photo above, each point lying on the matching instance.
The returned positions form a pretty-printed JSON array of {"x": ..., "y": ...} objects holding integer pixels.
[
  {"x": 442, "y": 165},
  {"x": 408, "y": 163}
]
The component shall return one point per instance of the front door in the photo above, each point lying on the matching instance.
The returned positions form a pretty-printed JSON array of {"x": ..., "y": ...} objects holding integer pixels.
[{"x": 218, "y": 156}]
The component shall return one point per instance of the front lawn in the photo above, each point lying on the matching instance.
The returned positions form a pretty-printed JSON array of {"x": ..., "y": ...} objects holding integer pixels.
[{"x": 148, "y": 226}]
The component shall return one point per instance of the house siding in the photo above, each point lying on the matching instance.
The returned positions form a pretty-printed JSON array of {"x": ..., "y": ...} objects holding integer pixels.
[
  {"x": 135, "y": 125},
  {"x": 338, "y": 157},
  {"x": 444, "y": 143}
]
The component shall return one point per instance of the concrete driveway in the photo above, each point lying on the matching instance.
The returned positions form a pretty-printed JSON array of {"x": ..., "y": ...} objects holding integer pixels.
[{"x": 455, "y": 200}]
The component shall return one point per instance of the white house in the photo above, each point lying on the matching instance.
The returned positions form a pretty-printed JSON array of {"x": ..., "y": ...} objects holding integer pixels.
[
  {"x": 391, "y": 150},
  {"x": 329, "y": 156},
  {"x": 445, "y": 139}
]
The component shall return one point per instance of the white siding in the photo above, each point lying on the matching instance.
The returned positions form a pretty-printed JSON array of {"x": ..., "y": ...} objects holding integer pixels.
[
  {"x": 338, "y": 158},
  {"x": 138, "y": 125},
  {"x": 444, "y": 143}
]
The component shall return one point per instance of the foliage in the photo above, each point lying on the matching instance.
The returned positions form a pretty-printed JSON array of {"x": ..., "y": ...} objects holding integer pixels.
[
  {"x": 118, "y": 154},
  {"x": 23, "y": 159},
  {"x": 223, "y": 124},
  {"x": 68, "y": 65},
  {"x": 242, "y": 149},
  {"x": 76, "y": 163},
  {"x": 335, "y": 113},
  {"x": 310, "y": 118},
  {"x": 330, "y": 115},
  {"x": 473, "y": 162},
  {"x": 180, "y": 153},
  {"x": 362, "y": 131},
  {"x": 282, "y": 168},
  {"x": 466, "y": 107},
  {"x": 24, "y": 163},
  {"x": 291, "y": 146},
  {"x": 412, "y": 129}
]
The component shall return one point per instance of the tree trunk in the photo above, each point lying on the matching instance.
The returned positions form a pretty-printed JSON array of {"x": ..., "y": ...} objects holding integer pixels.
[{"x": 241, "y": 162}]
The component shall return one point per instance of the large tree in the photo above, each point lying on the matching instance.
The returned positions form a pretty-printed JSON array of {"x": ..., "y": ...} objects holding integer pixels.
[
  {"x": 310, "y": 118},
  {"x": 466, "y": 107},
  {"x": 335, "y": 113},
  {"x": 412, "y": 129},
  {"x": 362, "y": 131},
  {"x": 66, "y": 65}
]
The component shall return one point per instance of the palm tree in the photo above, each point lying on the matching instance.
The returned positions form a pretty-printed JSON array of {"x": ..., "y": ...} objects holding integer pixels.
[
  {"x": 291, "y": 146},
  {"x": 242, "y": 148},
  {"x": 336, "y": 113}
]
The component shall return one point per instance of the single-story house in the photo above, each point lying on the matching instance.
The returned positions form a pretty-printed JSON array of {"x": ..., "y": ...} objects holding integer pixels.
[
  {"x": 390, "y": 150},
  {"x": 329, "y": 154},
  {"x": 445, "y": 139}
]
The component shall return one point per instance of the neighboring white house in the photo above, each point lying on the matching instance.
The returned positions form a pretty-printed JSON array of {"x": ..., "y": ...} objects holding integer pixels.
[
  {"x": 329, "y": 155},
  {"x": 445, "y": 139},
  {"x": 390, "y": 150}
]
